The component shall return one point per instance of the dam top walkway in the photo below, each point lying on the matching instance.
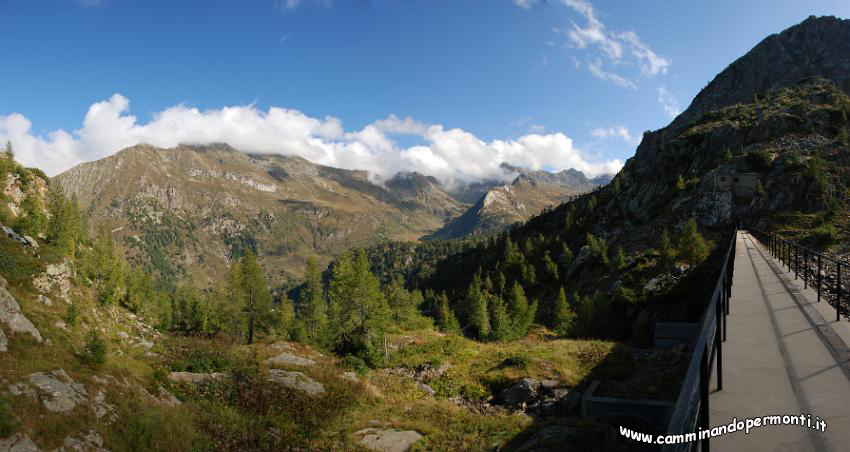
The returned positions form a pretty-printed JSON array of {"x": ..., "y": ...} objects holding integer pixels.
[{"x": 784, "y": 354}]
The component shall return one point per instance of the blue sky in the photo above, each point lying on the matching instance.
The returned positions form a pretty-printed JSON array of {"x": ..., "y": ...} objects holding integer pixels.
[{"x": 586, "y": 78}]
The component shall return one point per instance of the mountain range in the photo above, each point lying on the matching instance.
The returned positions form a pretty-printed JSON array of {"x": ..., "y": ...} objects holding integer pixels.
[{"x": 190, "y": 209}]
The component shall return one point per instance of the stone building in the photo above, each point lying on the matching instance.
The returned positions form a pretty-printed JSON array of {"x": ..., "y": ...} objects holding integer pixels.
[{"x": 740, "y": 184}]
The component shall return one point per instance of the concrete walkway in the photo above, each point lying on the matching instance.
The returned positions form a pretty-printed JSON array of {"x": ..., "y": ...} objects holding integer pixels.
[{"x": 780, "y": 357}]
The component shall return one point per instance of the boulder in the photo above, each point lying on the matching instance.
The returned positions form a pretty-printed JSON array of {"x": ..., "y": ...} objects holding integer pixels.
[
  {"x": 389, "y": 440},
  {"x": 197, "y": 378},
  {"x": 581, "y": 259},
  {"x": 55, "y": 276},
  {"x": 89, "y": 441},
  {"x": 285, "y": 359},
  {"x": 4, "y": 343},
  {"x": 18, "y": 443},
  {"x": 11, "y": 315},
  {"x": 31, "y": 241},
  {"x": 14, "y": 235},
  {"x": 58, "y": 392},
  {"x": 102, "y": 409},
  {"x": 297, "y": 381},
  {"x": 44, "y": 300},
  {"x": 521, "y": 393},
  {"x": 659, "y": 283},
  {"x": 350, "y": 376}
]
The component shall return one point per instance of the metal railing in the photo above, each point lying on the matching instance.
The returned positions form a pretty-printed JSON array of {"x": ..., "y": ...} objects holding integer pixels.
[
  {"x": 691, "y": 411},
  {"x": 818, "y": 270}
]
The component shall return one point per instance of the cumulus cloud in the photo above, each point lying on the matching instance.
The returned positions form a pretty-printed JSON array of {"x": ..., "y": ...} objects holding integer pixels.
[
  {"x": 616, "y": 132},
  {"x": 450, "y": 154},
  {"x": 668, "y": 102},
  {"x": 617, "y": 48}
]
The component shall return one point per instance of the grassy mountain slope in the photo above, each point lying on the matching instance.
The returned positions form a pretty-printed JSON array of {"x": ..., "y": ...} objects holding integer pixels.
[{"x": 188, "y": 210}]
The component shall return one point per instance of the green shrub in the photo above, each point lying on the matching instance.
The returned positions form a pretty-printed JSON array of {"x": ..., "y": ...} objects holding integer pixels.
[
  {"x": 94, "y": 351},
  {"x": 517, "y": 361},
  {"x": 823, "y": 236},
  {"x": 72, "y": 312},
  {"x": 355, "y": 363},
  {"x": 8, "y": 421}
]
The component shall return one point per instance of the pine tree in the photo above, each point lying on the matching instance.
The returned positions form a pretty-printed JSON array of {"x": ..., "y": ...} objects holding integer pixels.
[
  {"x": 258, "y": 309},
  {"x": 500, "y": 322},
  {"x": 361, "y": 315},
  {"x": 692, "y": 246},
  {"x": 620, "y": 260},
  {"x": 521, "y": 313},
  {"x": 550, "y": 267},
  {"x": 32, "y": 221},
  {"x": 446, "y": 319},
  {"x": 564, "y": 316},
  {"x": 477, "y": 315},
  {"x": 566, "y": 256},
  {"x": 9, "y": 152},
  {"x": 312, "y": 309},
  {"x": 286, "y": 317},
  {"x": 668, "y": 253}
]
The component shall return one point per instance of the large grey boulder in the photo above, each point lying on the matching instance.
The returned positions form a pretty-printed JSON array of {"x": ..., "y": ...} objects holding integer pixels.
[
  {"x": 58, "y": 392},
  {"x": 11, "y": 315},
  {"x": 89, "y": 441},
  {"x": 55, "y": 276},
  {"x": 297, "y": 381},
  {"x": 523, "y": 392},
  {"x": 197, "y": 378},
  {"x": 18, "y": 443},
  {"x": 285, "y": 359},
  {"x": 389, "y": 440}
]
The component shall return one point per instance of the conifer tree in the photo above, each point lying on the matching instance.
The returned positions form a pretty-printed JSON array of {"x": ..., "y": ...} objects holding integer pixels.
[
  {"x": 566, "y": 256},
  {"x": 564, "y": 316},
  {"x": 500, "y": 323},
  {"x": 447, "y": 321},
  {"x": 668, "y": 253},
  {"x": 475, "y": 306},
  {"x": 361, "y": 315},
  {"x": 259, "y": 312},
  {"x": 521, "y": 313},
  {"x": 620, "y": 260},
  {"x": 692, "y": 246},
  {"x": 550, "y": 267},
  {"x": 9, "y": 152},
  {"x": 312, "y": 309}
]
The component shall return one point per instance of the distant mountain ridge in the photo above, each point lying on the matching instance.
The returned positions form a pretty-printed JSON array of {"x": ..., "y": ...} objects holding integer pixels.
[
  {"x": 527, "y": 195},
  {"x": 187, "y": 210}
]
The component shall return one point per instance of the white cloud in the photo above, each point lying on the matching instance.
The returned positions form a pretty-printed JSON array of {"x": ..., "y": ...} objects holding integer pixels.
[
  {"x": 595, "y": 68},
  {"x": 617, "y": 48},
  {"x": 452, "y": 155},
  {"x": 616, "y": 132},
  {"x": 287, "y": 5},
  {"x": 525, "y": 4},
  {"x": 668, "y": 102}
]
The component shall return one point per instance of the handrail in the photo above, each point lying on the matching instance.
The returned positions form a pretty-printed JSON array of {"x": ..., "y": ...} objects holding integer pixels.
[
  {"x": 691, "y": 410},
  {"x": 825, "y": 279}
]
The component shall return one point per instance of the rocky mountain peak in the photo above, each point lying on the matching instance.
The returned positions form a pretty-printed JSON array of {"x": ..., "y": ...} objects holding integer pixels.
[{"x": 817, "y": 46}]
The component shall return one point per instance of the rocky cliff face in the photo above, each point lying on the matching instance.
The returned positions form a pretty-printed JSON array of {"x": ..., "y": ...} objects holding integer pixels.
[{"x": 530, "y": 193}]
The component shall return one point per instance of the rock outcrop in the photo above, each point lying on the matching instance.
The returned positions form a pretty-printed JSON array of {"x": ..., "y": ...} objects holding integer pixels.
[
  {"x": 286, "y": 359},
  {"x": 297, "y": 381},
  {"x": 11, "y": 315},
  {"x": 58, "y": 392},
  {"x": 386, "y": 440}
]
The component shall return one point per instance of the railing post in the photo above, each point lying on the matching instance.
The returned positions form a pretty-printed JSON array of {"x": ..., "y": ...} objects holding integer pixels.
[
  {"x": 703, "y": 395},
  {"x": 806, "y": 268},
  {"x": 838, "y": 294},
  {"x": 819, "y": 277},
  {"x": 796, "y": 261},
  {"x": 719, "y": 344}
]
